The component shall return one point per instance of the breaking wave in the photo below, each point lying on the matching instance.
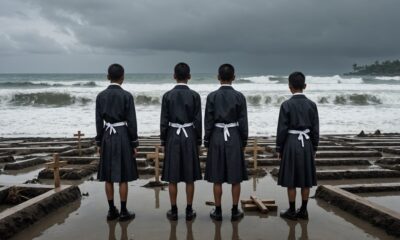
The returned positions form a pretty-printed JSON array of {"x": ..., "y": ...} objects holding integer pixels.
[
  {"x": 343, "y": 99},
  {"x": 44, "y": 84},
  {"x": 382, "y": 80},
  {"x": 142, "y": 99},
  {"x": 47, "y": 99},
  {"x": 336, "y": 79},
  {"x": 351, "y": 99}
]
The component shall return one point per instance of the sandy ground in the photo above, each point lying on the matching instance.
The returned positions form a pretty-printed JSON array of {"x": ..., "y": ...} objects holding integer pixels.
[{"x": 85, "y": 219}]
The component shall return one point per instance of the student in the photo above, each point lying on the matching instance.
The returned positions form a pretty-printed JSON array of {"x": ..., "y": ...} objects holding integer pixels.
[
  {"x": 297, "y": 143},
  {"x": 117, "y": 140},
  {"x": 226, "y": 133},
  {"x": 181, "y": 132}
]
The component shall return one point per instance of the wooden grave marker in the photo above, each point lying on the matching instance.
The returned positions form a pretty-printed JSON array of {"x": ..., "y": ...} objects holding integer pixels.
[
  {"x": 255, "y": 149},
  {"x": 79, "y": 135},
  {"x": 262, "y": 205},
  {"x": 156, "y": 157},
  {"x": 56, "y": 165}
]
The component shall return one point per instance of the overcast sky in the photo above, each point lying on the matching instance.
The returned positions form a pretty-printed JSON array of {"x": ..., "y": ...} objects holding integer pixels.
[{"x": 257, "y": 36}]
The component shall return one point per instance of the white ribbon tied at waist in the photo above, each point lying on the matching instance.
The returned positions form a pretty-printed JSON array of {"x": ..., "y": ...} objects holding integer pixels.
[
  {"x": 181, "y": 127},
  {"x": 112, "y": 126},
  {"x": 226, "y": 128},
  {"x": 302, "y": 135}
]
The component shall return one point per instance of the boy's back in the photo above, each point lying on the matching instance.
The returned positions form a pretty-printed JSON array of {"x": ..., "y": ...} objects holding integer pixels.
[
  {"x": 226, "y": 133},
  {"x": 298, "y": 113},
  {"x": 226, "y": 105},
  {"x": 113, "y": 105},
  {"x": 181, "y": 105}
]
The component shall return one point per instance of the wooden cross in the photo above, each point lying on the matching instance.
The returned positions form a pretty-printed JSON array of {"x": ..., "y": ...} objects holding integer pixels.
[
  {"x": 255, "y": 150},
  {"x": 157, "y": 157},
  {"x": 255, "y": 204},
  {"x": 56, "y": 165},
  {"x": 157, "y": 163},
  {"x": 79, "y": 135}
]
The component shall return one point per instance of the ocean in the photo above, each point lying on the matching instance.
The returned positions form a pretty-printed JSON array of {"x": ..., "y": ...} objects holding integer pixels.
[{"x": 58, "y": 105}]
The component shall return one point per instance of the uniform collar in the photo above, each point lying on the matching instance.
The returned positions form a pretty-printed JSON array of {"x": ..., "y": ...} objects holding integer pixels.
[
  {"x": 299, "y": 95},
  {"x": 226, "y": 86},
  {"x": 114, "y": 86},
  {"x": 181, "y": 86}
]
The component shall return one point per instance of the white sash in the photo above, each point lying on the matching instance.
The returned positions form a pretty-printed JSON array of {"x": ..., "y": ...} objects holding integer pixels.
[
  {"x": 302, "y": 135},
  {"x": 112, "y": 126},
  {"x": 226, "y": 128},
  {"x": 181, "y": 127}
]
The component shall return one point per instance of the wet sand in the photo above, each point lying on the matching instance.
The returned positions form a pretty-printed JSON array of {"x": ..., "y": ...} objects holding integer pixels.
[{"x": 85, "y": 219}]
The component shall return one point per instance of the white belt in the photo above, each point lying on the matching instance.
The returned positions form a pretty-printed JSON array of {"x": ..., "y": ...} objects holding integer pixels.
[
  {"x": 225, "y": 127},
  {"x": 112, "y": 125},
  {"x": 302, "y": 135},
  {"x": 181, "y": 127}
]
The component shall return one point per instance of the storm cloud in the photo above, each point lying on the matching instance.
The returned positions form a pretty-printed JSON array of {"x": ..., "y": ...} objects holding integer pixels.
[{"x": 150, "y": 36}]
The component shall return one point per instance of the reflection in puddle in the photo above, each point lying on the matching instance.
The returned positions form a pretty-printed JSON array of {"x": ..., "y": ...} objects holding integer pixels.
[
  {"x": 124, "y": 229},
  {"x": 292, "y": 229}
]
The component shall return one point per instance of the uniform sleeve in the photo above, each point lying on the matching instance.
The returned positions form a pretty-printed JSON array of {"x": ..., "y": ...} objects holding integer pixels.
[
  {"x": 243, "y": 122},
  {"x": 208, "y": 121},
  {"x": 283, "y": 127},
  {"x": 164, "y": 122},
  {"x": 132, "y": 124},
  {"x": 198, "y": 120},
  {"x": 315, "y": 130},
  {"x": 99, "y": 124}
]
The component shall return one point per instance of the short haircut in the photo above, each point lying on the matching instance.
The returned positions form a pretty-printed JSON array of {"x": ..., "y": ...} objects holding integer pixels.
[
  {"x": 182, "y": 71},
  {"x": 297, "y": 80},
  {"x": 115, "y": 72},
  {"x": 226, "y": 72}
]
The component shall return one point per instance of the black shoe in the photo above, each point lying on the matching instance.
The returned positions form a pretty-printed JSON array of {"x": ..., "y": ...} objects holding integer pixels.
[
  {"x": 237, "y": 215},
  {"x": 126, "y": 216},
  {"x": 215, "y": 215},
  {"x": 190, "y": 215},
  {"x": 302, "y": 214},
  {"x": 112, "y": 214},
  {"x": 289, "y": 214},
  {"x": 171, "y": 215}
]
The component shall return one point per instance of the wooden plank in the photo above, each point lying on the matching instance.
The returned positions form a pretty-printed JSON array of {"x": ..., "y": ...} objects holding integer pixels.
[
  {"x": 264, "y": 201},
  {"x": 260, "y": 205},
  {"x": 254, "y": 207}
]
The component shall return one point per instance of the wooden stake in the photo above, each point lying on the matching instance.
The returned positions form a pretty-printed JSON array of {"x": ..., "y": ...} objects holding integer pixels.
[
  {"x": 157, "y": 163},
  {"x": 255, "y": 153},
  {"x": 56, "y": 169},
  {"x": 79, "y": 135}
]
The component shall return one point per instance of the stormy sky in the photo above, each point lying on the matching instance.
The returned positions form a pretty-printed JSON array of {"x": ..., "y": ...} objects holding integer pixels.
[{"x": 257, "y": 36}]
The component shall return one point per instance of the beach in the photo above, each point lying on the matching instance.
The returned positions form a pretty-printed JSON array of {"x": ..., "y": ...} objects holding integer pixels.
[
  {"x": 84, "y": 218},
  {"x": 42, "y": 112}
]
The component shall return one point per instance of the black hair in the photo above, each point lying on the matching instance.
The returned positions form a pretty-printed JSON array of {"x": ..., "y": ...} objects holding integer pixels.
[
  {"x": 226, "y": 72},
  {"x": 297, "y": 80},
  {"x": 115, "y": 72},
  {"x": 182, "y": 71}
]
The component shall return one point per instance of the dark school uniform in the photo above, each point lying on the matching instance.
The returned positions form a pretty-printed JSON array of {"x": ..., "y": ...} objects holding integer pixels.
[
  {"x": 297, "y": 142},
  {"x": 180, "y": 134},
  {"x": 225, "y": 157},
  {"x": 117, "y": 162}
]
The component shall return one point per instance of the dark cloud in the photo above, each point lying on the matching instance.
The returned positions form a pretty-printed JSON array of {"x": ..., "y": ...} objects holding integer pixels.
[{"x": 258, "y": 35}]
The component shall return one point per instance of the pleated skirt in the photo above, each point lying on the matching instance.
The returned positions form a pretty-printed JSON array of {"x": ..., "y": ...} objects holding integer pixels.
[
  {"x": 117, "y": 161},
  {"x": 225, "y": 159},
  {"x": 297, "y": 167},
  {"x": 181, "y": 161}
]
